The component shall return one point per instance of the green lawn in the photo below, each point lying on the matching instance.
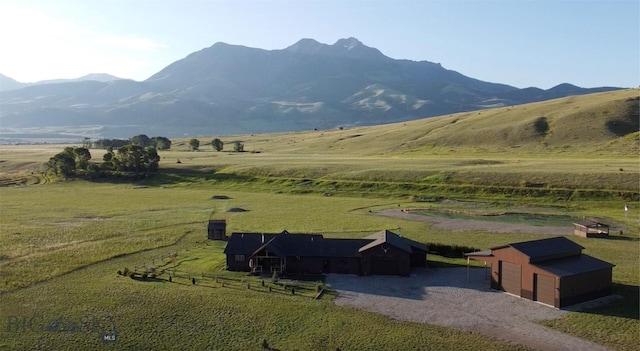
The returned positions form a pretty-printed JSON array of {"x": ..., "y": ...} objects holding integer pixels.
[
  {"x": 62, "y": 242},
  {"x": 159, "y": 314}
]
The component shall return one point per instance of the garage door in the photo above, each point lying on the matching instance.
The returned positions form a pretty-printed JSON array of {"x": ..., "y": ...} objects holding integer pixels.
[
  {"x": 510, "y": 277},
  {"x": 545, "y": 289},
  {"x": 385, "y": 265}
]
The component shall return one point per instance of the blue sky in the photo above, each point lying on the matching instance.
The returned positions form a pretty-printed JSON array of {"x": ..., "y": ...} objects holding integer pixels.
[{"x": 522, "y": 43}]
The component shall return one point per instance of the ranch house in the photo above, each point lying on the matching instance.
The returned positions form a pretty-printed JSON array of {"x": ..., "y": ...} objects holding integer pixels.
[
  {"x": 552, "y": 271},
  {"x": 381, "y": 253}
]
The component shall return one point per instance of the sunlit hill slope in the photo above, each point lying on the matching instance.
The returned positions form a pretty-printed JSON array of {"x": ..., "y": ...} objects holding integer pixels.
[{"x": 605, "y": 123}]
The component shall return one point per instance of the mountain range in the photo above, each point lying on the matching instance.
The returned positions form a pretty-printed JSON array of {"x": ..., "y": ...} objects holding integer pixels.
[
  {"x": 7, "y": 83},
  {"x": 229, "y": 89}
]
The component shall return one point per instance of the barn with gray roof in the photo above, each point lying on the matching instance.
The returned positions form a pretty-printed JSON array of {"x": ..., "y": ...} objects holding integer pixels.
[
  {"x": 383, "y": 252},
  {"x": 552, "y": 271}
]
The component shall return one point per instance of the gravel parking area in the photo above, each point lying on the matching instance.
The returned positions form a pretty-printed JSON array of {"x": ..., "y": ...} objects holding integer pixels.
[
  {"x": 453, "y": 224},
  {"x": 450, "y": 298}
]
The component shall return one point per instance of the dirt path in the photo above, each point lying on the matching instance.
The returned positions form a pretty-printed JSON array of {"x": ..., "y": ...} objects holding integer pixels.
[
  {"x": 446, "y": 297},
  {"x": 466, "y": 224}
]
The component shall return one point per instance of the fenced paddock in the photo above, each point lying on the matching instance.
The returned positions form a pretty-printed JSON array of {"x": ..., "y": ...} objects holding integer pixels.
[{"x": 160, "y": 267}]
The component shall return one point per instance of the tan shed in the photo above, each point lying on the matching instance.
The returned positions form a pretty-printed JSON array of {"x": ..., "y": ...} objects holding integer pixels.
[{"x": 590, "y": 229}]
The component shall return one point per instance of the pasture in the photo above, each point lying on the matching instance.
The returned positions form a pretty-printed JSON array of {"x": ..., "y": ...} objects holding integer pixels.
[{"x": 62, "y": 242}]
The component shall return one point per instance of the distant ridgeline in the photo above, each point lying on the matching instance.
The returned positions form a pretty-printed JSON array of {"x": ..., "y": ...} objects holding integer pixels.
[{"x": 240, "y": 90}]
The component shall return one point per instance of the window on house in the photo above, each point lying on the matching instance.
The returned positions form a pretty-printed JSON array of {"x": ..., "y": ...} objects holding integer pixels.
[{"x": 239, "y": 257}]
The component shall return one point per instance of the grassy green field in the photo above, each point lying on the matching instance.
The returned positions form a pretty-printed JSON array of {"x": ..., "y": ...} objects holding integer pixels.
[{"x": 62, "y": 242}]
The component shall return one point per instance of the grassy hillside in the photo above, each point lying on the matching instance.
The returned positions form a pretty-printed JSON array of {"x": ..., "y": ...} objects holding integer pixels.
[{"x": 604, "y": 123}]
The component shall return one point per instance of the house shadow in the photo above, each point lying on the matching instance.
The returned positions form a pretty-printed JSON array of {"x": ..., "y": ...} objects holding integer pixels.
[
  {"x": 624, "y": 302},
  {"x": 619, "y": 238},
  {"x": 148, "y": 279},
  {"x": 417, "y": 286}
]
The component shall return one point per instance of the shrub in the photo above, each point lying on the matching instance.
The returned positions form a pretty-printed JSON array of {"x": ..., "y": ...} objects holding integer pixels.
[{"x": 453, "y": 251}]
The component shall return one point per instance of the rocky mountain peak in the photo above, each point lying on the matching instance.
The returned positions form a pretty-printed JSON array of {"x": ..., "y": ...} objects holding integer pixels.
[{"x": 349, "y": 47}]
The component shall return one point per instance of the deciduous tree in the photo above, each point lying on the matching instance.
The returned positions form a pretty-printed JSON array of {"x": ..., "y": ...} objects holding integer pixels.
[
  {"x": 194, "y": 144},
  {"x": 161, "y": 143},
  {"x": 217, "y": 144},
  {"x": 238, "y": 146},
  {"x": 70, "y": 160}
]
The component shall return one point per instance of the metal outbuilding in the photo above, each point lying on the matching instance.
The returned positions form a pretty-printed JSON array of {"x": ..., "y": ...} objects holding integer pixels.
[{"x": 552, "y": 271}]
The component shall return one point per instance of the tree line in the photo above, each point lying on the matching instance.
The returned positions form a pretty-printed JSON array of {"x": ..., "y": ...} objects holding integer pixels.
[
  {"x": 158, "y": 142},
  {"x": 216, "y": 144},
  {"x": 138, "y": 154}
]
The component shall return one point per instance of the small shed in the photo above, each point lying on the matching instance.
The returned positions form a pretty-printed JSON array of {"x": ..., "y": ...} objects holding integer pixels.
[
  {"x": 590, "y": 229},
  {"x": 552, "y": 271},
  {"x": 217, "y": 229}
]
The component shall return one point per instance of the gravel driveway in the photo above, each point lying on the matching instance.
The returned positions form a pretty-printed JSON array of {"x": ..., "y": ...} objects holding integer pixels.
[{"x": 443, "y": 296}]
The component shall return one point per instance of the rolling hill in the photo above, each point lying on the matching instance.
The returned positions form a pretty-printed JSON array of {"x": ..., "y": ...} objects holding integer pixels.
[{"x": 605, "y": 123}]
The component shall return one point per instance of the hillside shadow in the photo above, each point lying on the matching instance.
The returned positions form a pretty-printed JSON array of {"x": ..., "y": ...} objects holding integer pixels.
[
  {"x": 627, "y": 124},
  {"x": 167, "y": 176}
]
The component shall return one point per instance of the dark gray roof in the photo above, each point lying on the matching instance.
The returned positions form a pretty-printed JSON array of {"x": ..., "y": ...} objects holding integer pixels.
[
  {"x": 393, "y": 239},
  {"x": 314, "y": 245},
  {"x": 343, "y": 247},
  {"x": 247, "y": 243},
  {"x": 294, "y": 245},
  {"x": 485, "y": 253},
  {"x": 573, "y": 265},
  {"x": 542, "y": 249}
]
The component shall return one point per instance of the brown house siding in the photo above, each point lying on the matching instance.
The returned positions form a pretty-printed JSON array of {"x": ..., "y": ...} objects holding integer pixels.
[
  {"x": 318, "y": 265},
  {"x": 584, "y": 287},
  {"x": 506, "y": 255},
  {"x": 343, "y": 265},
  {"x": 418, "y": 258},
  {"x": 392, "y": 262},
  {"x": 306, "y": 265},
  {"x": 238, "y": 266}
]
